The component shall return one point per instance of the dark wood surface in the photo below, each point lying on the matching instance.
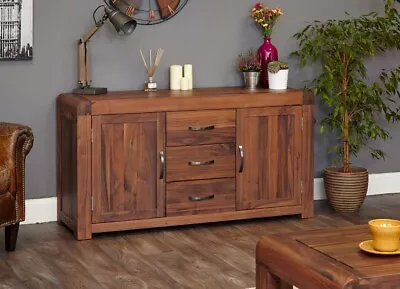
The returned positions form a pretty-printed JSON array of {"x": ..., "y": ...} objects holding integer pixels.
[
  {"x": 217, "y": 256},
  {"x": 11, "y": 232},
  {"x": 328, "y": 258},
  {"x": 213, "y": 126},
  {"x": 217, "y": 161},
  {"x": 110, "y": 149},
  {"x": 307, "y": 164},
  {"x": 200, "y": 197},
  {"x": 271, "y": 140},
  {"x": 125, "y": 167},
  {"x": 119, "y": 102}
]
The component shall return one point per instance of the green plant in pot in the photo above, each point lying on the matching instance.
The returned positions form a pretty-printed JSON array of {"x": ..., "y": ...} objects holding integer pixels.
[
  {"x": 357, "y": 104},
  {"x": 278, "y": 73},
  {"x": 250, "y": 66}
]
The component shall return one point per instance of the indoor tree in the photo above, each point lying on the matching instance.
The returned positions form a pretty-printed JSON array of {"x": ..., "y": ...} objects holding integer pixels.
[{"x": 356, "y": 103}]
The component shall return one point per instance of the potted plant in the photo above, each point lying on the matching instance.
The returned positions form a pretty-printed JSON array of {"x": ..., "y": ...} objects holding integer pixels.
[
  {"x": 356, "y": 102},
  {"x": 250, "y": 66},
  {"x": 278, "y": 72}
]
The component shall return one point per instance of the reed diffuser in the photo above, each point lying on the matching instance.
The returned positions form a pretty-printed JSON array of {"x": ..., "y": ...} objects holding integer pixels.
[{"x": 150, "y": 84}]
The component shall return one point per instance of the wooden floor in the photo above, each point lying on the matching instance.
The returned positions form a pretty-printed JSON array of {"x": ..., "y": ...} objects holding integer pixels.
[{"x": 204, "y": 256}]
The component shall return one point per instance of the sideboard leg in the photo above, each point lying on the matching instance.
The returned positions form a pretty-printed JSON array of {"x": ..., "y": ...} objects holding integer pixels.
[{"x": 84, "y": 178}]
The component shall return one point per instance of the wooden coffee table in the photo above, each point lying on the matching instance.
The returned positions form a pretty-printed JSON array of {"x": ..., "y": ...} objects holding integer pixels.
[{"x": 323, "y": 259}]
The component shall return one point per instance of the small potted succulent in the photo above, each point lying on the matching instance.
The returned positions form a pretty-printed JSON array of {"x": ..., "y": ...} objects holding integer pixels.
[
  {"x": 278, "y": 72},
  {"x": 250, "y": 66}
]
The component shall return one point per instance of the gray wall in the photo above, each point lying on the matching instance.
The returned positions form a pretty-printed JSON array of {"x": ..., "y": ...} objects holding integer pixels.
[{"x": 207, "y": 33}]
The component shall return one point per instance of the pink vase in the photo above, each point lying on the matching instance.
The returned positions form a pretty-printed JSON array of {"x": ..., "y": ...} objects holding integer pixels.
[{"x": 266, "y": 53}]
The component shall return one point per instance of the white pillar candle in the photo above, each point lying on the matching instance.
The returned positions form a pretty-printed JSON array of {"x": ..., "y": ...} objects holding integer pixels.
[
  {"x": 188, "y": 72},
  {"x": 175, "y": 77},
  {"x": 184, "y": 83}
]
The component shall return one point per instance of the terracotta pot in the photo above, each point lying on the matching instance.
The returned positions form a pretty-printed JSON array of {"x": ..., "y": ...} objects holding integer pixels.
[{"x": 346, "y": 191}]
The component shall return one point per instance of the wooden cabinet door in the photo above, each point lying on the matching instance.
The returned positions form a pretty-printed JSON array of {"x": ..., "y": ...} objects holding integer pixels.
[
  {"x": 128, "y": 172},
  {"x": 268, "y": 157}
]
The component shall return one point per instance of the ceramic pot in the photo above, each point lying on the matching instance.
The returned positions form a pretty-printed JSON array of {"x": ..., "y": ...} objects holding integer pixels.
[
  {"x": 278, "y": 80},
  {"x": 266, "y": 53}
]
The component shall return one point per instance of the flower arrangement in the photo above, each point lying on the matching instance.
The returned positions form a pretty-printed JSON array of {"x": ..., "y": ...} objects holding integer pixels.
[
  {"x": 249, "y": 62},
  {"x": 265, "y": 18},
  {"x": 276, "y": 66}
]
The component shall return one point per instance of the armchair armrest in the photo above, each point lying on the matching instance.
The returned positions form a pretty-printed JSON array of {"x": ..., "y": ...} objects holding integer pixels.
[{"x": 15, "y": 143}]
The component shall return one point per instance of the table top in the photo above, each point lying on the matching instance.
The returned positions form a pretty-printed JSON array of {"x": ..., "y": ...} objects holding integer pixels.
[{"x": 330, "y": 257}]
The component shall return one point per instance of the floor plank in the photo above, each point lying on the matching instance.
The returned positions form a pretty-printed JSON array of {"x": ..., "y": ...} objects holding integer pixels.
[{"x": 207, "y": 256}]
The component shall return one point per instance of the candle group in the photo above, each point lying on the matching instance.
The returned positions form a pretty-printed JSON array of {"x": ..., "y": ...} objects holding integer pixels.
[{"x": 181, "y": 77}]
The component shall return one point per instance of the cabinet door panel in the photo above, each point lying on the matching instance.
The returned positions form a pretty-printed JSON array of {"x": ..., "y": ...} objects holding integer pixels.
[
  {"x": 271, "y": 142},
  {"x": 126, "y": 166}
]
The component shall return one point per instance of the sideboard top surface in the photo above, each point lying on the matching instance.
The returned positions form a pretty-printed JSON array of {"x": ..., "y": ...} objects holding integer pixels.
[{"x": 118, "y": 102}]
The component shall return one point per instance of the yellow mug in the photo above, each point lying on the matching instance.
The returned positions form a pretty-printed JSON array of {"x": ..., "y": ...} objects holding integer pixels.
[{"x": 386, "y": 234}]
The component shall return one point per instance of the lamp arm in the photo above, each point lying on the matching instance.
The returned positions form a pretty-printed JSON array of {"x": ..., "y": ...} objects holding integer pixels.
[{"x": 83, "y": 53}]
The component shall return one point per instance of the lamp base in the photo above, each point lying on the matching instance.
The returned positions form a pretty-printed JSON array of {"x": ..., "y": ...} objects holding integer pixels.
[{"x": 90, "y": 90}]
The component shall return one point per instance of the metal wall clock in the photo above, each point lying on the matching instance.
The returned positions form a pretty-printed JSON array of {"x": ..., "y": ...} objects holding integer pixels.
[{"x": 149, "y": 12}]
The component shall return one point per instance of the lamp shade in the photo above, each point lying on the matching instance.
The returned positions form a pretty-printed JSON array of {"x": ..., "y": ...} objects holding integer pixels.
[{"x": 122, "y": 22}]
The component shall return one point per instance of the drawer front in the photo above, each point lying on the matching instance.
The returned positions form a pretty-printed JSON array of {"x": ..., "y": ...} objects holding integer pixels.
[
  {"x": 200, "y": 162},
  {"x": 201, "y": 127},
  {"x": 200, "y": 197}
]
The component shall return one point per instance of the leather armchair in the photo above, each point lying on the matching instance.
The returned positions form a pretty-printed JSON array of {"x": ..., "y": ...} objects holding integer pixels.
[{"x": 15, "y": 143}]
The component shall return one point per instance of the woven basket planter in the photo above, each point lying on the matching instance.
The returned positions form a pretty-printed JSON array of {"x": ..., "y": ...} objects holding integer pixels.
[{"x": 346, "y": 191}]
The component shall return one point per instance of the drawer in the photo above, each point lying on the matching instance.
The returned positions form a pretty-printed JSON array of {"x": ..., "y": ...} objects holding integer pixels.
[
  {"x": 200, "y": 197},
  {"x": 201, "y": 127},
  {"x": 200, "y": 162}
]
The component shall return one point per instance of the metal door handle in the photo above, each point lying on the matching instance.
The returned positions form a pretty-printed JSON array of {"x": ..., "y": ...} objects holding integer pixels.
[
  {"x": 199, "y": 199},
  {"x": 162, "y": 159},
  {"x": 241, "y": 152},
  {"x": 201, "y": 163},
  {"x": 194, "y": 128}
]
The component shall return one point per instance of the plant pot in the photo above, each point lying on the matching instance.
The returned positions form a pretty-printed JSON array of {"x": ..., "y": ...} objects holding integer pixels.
[
  {"x": 278, "y": 80},
  {"x": 251, "y": 79},
  {"x": 346, "y": 192}
]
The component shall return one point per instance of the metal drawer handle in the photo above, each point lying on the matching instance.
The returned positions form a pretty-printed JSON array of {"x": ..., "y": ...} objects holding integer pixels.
[
  {"x": 199, "y": 128},
  {"x": 199, "y": 199},
  {"x": 162, "y": 158},
  {"x": 241, "y": 152},
  {"x": 201, "y": 163}
]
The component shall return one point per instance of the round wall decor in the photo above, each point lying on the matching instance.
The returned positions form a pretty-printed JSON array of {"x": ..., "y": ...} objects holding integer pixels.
[{"x": 149, "y": 12}]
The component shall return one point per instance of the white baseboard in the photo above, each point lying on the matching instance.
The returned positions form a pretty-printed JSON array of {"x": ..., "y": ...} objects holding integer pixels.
[
  {"x": 40, "y": 210},
  {"x": 45, "y": 210}
]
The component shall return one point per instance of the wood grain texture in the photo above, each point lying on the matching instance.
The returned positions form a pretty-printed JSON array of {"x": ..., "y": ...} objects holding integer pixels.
[
  {"x": 221, "y": 124},
  {"x": 220, "y": 159},
  {"x": 218, "y": 256},
  {"x": 266, "y": 280},
  {"x": 195, "y": 219},
  {"x": 328, "y": 258},
  {"x": 166, "y": 5},
  {"x": 74, "y": 105},
  {"x": 220, "y": 194},
  {"x": 84, "y": 178},
  {"x": 121, "y": 102},
  {"x": 121, "y": 170},
  {"x": 125, "y": 167},
  {"x": 271, "y": 140},
  {"x": 307, "y": 162}
]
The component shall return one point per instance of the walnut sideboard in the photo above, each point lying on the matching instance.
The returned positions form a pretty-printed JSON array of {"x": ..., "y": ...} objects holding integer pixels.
[{"x": 133, "y": 160}]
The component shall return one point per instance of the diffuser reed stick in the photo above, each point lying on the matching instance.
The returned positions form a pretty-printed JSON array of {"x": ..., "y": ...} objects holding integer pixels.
[{"x": 152, "y": 67}]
